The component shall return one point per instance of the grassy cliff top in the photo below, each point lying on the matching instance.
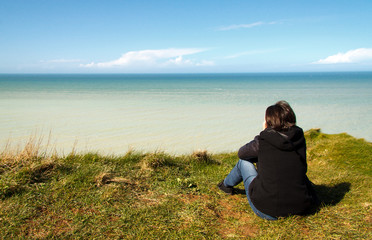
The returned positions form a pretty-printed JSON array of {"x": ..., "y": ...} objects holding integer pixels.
[{"x": 159, "y": 196}]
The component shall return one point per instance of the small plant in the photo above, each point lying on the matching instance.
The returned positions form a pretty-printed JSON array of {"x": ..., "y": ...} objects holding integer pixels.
[
  {"x": 102, "y": 179},
  {"x": 186, "y": 183},
  {"x": 35, "y": 148},
  {"x": 107, "y": 178},
  {"x": 9, "y": 188},
  {"x": 156, "y": 160},
  {"x": 42, "y": 172},
  {"x": 202, "y": 156}
]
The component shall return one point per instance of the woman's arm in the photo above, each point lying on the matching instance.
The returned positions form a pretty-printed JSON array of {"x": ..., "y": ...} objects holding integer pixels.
[{"x": 249, "y": 151}]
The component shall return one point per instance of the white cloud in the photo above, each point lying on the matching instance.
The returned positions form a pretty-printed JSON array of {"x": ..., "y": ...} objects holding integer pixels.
[
  {"x": 252, "y": 52},
  {"x": 160, "y": 57},
  {"x": 62, "y": 60},
  {"x": 352, "y": 56},
  {"x": 237, "y": 26},
  {"x": 205, "y": 63},
  {"x": 179, "y": 61},
  {"x": 249, "y": 25}
]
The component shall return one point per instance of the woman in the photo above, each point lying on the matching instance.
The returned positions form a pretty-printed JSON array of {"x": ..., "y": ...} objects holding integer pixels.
[{"x": 279, "y": 187}]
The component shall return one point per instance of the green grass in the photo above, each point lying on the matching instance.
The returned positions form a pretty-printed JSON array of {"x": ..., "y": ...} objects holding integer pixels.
[{"x": 160, "y": 196}]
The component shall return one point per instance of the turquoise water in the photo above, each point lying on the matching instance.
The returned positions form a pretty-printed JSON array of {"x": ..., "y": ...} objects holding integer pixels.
[{"x": 176, "y": 113}]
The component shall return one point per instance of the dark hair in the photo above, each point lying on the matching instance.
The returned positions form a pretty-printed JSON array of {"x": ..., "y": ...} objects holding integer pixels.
[{"x": 280, "y": 116}]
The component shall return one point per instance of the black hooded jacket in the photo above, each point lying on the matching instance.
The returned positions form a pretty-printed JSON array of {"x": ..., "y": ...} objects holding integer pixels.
[{"x": 281, "y": 187}]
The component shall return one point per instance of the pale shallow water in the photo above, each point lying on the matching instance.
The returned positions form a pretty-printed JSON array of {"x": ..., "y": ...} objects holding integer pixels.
[{"x": 176, "y": 113}]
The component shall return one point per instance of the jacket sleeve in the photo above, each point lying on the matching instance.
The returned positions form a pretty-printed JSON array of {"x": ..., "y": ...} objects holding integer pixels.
[{"x": 249, "y": 151}]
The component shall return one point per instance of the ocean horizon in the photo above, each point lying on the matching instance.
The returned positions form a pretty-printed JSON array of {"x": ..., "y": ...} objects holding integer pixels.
[{"x": 175, "y": 113}]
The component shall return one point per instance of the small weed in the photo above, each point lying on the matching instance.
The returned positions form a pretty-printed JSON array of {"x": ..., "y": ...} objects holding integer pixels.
[
  {"x": 107, "y": 178},
  {"x": 202, "y": 156},
  {"x": 156, "y": 160},
  {"x": 186, "y": 183},
  {"x": 42, "y": 172}
]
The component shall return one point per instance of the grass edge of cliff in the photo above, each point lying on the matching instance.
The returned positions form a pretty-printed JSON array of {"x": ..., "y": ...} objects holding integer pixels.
[{"x": 157, "y": 195}]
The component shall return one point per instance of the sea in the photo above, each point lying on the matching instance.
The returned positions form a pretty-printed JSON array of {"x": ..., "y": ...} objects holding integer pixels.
[{"x": 174, "y": 113}]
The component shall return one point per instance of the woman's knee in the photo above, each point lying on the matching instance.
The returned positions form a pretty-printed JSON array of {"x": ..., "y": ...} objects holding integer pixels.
[
  {"x": 247, "y": 166},
  {"x": 248, "y": 171}
]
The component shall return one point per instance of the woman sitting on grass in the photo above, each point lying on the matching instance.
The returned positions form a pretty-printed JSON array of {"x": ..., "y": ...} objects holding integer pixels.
[{"x": 279, "y": 187}]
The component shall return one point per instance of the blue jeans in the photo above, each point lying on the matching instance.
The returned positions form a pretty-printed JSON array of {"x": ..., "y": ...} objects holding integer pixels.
[{"x": 245, "y": 171}]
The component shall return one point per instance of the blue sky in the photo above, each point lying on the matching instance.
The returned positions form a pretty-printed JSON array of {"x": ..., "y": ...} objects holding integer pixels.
[{"x": 96, "y": 36}]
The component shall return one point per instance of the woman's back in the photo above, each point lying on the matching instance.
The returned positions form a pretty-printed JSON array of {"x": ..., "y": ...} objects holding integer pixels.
[{"x": 280, "y": 188}]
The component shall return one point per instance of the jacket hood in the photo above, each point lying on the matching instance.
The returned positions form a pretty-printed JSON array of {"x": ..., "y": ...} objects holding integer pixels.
[{"x": 288, "y": 139}]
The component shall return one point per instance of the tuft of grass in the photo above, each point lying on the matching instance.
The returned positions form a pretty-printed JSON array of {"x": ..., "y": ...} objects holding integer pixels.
[
  {"x": 156, "y": 160},
  {"x": 34, "y": 148},
  {"x": 157, "y": 195},
  {"x": 202, "y": 156},
  {"x": 108, "y": 178}
]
